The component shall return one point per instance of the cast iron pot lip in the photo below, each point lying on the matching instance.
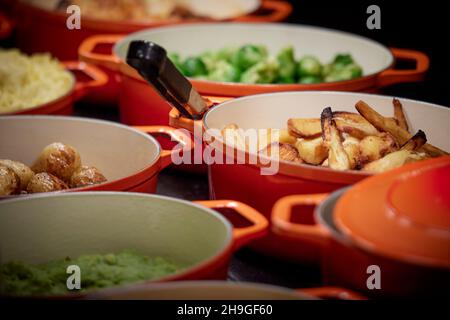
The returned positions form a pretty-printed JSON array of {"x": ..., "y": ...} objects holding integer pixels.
[
  {"x": 280, "y": 26},
  {"x": 152, "y": 162},
  {"x": 227, "y": 245}
]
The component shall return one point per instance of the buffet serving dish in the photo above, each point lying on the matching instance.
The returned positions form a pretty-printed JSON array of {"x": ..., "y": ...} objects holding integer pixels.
[
  {"x": 48, "y": 227},
  {"x": 129, "y": 158},
  {"x": 245, "y": 182},
  {"x": 142, "y": 105},
  {"x": 376, "y": 225}
]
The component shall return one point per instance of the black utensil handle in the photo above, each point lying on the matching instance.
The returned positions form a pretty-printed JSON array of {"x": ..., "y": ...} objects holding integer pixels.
[{"x": 152, "y": 63}]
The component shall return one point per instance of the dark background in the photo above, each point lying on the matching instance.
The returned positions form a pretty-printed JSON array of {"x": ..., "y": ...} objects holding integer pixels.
[{"x": 418, "y": 25}]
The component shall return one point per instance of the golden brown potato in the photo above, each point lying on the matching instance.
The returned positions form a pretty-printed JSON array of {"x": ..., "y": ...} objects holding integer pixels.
[
  {"x": 386, "y": 124},
  {"x": 23, "y": 172},
  {"x": 416, "y": 142},
  {"x": 353, "y": 124},
  {"x": 286, "y": 152},
  {"x": 285, "y": 137},
  {"x": 394, "y": 160},
  {"x": 268, "y": 136},
  {"x": 86, "y": 176},
  {"x": 399, "y": 114},
  {"x": 351, "y": 147},
  {"x": 372, "y": 148},
  {"x": 312, "y": 151},
  {"x": 304, "y": 128},
  {"x": 9, "y": 181},
  {"x": 45, "y": 182},
  {"x": 58, "y": 159},
  {"x": 233, "y": 136},
  {"x": 337, "y": 157}
]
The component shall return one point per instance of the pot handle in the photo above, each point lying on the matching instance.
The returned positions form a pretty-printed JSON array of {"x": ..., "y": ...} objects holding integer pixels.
[
  {"x": 393, "y": 76},
  {"x": 6, "y": 26},
  {"x": 270, "y": 11},
  {"x": 176, "y": 135},
  {"x": 335, "y": 293},
  {"x": 97, "y": 76},
  {"x": 177, "y": 120},
  {"x": 282, "y": 224},
  {"x": 242, "y": 235},
  {"x": 87, "y": 54}
]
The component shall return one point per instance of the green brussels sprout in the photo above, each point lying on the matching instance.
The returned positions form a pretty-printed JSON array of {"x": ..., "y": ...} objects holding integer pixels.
[
  {"x": 342, "y": 59},
  {"x": 176, "y": 60},
  {"x": 287, "y": 66},
  {"x": 347, "y": 72},
  {"x": 309, "y": 66},
  {"x": 194, "y": 66},
  {"x": 224, "y": 72},
  {"x": 226, "y": 54},
  {"x": 248, "y": 55},
  {"x": 310, "y": 79},
  {"x": 327, "y": 69},
  {"x": 262, "y": 72}
]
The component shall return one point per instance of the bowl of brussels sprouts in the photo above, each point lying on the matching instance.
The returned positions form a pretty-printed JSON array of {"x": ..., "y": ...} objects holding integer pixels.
[{"x": 225, "y": 61}]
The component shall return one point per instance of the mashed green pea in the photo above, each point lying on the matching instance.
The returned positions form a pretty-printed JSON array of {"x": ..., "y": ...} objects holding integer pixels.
[{"x": 97, "y": 271}]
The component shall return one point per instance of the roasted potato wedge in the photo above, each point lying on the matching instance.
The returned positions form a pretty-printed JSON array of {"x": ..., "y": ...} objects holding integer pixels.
[
  {"x": 372, "y": 148},
  {"x": 285, "y": 151},
  {"x": 386, "y": 124},
  {"x": 312, "y": 151},
  {"x": 268, "y": 136},
  {"x": 416, "y": 142},
  {"x": 337, "y": 157},
  {"x": 305, "y": 128},
  {"x": 353, "y": 124},
  {"x": 394, "y": 160},
  {"x": 351, "y": 147},
  {"x": 399, "y": 114}
]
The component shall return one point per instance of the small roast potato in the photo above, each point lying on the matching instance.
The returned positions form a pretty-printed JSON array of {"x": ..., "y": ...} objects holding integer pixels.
[
  {"x": 9, "y": 181},
  {"x": 312, "y": 151},
  {"x": 58, "y": 159},
  {"x": 372, "y": 148},
  {"x": 86, "y": 176},
  {"x": 45, "y": 182},
  {"x": 23, "y": 171}
]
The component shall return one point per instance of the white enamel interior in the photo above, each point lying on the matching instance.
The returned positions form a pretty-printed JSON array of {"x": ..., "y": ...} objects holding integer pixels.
[
  {"x": 322, "y": 43},
  {"x": 273, "y": 111},
  {"x": 116, "y": 150},
  {"x": 48, "y": 227}
]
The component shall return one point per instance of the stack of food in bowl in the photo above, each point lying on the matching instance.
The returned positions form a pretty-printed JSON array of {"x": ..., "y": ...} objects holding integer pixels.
[{"x": 76, "y": 193}]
